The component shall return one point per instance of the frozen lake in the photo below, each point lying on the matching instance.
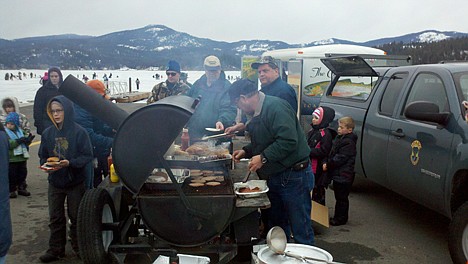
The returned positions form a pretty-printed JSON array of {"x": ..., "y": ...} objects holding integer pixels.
[{"x": 25, "y": 89}]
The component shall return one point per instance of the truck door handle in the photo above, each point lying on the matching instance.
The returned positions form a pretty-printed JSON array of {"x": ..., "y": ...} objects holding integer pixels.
[{"x": 398, "y": 133}]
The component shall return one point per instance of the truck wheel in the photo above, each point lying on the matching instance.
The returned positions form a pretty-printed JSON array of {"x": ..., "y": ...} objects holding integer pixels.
[
  {"x": 96, "y": 208},
  {"x": 458, "y": 235}
]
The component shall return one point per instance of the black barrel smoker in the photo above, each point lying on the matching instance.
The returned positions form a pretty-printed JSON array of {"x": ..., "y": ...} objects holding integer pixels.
[{"x": 128, "y": 217}]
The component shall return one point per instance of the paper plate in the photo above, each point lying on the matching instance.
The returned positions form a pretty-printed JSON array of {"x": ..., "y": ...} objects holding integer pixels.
[
  {"x": 211, "y": 129},
  {"x": 266, "y": 255}
]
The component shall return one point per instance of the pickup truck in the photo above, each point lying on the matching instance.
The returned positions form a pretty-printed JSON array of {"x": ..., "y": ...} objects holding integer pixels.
[{"x": 413, "y": 134}]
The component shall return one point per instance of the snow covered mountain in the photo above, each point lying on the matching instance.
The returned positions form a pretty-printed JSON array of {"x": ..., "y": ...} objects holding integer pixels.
[{"x": 154, "y": 45}]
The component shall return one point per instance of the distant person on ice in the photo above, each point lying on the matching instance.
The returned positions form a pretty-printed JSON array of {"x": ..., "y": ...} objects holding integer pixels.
[{"x": 172, "y": 86}]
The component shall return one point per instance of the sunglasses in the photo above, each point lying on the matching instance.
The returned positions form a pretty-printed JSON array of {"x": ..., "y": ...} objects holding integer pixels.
[{"x": 171, "y": 73}]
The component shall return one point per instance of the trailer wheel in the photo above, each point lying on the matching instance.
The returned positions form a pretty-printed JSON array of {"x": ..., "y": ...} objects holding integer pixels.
[
  {"x": 96, "y": 208},
  {"x": 458, "y": 235}
]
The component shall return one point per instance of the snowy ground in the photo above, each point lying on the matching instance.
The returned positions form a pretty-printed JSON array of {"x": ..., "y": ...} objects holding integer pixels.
[{"x": 25, "y": 89}]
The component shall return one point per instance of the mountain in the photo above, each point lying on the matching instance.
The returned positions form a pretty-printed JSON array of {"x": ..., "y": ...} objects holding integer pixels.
[{"x": 154, "y": 45}]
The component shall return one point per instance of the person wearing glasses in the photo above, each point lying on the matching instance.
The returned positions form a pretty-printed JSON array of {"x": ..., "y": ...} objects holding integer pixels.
[
  {"x": 172, "y": 86},
  {"x": 43, "y": 95},
  {"x": 70, "y": 143},
  {"x": 101, "y": 136},
  {"x": 215, "y": 109}
]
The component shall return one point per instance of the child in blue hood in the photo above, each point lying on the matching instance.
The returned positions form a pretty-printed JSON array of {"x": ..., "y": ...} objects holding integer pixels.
[{"x": 71, "y": 144}]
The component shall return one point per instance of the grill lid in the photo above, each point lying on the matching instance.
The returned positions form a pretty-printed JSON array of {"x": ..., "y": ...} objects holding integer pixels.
[{"x": 145, "y": 136}]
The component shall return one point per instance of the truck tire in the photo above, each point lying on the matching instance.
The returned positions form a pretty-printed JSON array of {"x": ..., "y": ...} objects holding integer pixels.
[
  {"x": 96, "y": 208},
  {"x": 458, "y": 235}
]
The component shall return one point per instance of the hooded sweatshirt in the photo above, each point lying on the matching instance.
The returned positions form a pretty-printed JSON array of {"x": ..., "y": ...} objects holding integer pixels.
[
  {"x": 71, "y": 142},
  {"x": 43, "y": 95},
  {"x": 24, "y": 122}
]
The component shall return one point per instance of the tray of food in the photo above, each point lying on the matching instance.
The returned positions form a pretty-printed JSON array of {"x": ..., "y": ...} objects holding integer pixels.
[
  {"x": 250, "y": 189},
  {"x": 159, "y": 179}
]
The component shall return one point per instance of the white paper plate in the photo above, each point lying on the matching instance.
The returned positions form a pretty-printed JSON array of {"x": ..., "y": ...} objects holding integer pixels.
[
  {"x": 266, "y": 255},
  {"x": 211, "y": 129},
  {"x": 261, "y": 184}
]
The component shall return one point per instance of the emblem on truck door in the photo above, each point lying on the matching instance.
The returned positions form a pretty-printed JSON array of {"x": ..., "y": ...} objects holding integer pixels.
[{"x": 415, "y": 148}]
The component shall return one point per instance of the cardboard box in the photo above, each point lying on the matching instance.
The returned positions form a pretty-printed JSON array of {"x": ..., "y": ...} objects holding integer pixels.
[{"x": 319, "y": 214}]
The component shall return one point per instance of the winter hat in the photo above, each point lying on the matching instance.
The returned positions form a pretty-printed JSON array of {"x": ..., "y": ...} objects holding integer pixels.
[
  {"x": 13, "y": 117},
  {"x": 99, "y": 87},
  {"x": 318, "y": 114},
  {"x": 173, "y": 66},
  {"x": 212, "y": 63},
  {"x": 241, "y": 87}
]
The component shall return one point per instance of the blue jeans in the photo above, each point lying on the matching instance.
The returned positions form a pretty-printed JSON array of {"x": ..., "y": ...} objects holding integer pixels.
[
  {"x": 89, "y": 170},
  {"x": 2, "y": 259},
  {"x": 289, "y": 195}
]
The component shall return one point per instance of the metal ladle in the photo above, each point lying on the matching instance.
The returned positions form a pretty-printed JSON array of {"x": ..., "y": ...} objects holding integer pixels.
[{"x": 277, "y": 241}]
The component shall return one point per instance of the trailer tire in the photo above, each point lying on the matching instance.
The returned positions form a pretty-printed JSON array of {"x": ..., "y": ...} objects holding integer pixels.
[
  {"x": 458, "y": 235},
  {"x": 96, "y": 208}
]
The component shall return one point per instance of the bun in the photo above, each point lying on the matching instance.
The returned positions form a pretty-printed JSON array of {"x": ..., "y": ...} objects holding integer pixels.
[{"x": 53, "y": 159}]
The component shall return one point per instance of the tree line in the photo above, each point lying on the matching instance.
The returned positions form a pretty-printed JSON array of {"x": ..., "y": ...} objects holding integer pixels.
[{"x": 448, "y": 50}]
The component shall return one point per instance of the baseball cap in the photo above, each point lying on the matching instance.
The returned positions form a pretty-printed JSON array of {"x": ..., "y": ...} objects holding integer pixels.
[
  {"x": 212, "y": 63},
  {"x": 265, "y": 60},
  {"x": 241, "y": 87}
]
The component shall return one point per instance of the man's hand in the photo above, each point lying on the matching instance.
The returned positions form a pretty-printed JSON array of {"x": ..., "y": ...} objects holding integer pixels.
[
  {"x": 64, "y": 163},
  {"x": 238, "y": 154},
  {"x": 219, "y": 125},
  {"x": 255, "y": 163},
  {"x": 237, "y": 127},
  {"x": 324, "y": 167}
]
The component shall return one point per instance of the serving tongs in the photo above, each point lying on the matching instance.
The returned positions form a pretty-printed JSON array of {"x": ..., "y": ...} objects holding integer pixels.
[{"x": 219, "y": 135}]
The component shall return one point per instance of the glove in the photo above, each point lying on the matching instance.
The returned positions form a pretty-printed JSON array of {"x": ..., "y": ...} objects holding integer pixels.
[
  {"x": 29, "y": 139},
  {"x": 21, "y": 140}
]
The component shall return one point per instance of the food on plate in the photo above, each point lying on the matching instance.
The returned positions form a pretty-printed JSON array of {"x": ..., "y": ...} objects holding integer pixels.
[
  {"x": 213, "y": 183},
  {"x": 249, "y": 190},
  {"x": 180, "y": 152},
  {"x": 196, "y": 184},
  {"x": 51, "y": 161}
]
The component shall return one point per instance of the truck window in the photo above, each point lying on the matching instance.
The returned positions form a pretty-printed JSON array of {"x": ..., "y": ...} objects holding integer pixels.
[
  {"x": 429, "y": 87},
  {"x": 357, "y": 88},
  {"x": 390, "y": 96},
  {"x": 461, "y": 81}
]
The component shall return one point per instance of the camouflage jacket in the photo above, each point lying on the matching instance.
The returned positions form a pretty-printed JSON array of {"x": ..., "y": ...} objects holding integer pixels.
[{"x": 161, "y": 90}]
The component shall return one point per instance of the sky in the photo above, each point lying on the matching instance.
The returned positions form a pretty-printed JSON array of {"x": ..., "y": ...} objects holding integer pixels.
[{"x": 291, "y": 21}]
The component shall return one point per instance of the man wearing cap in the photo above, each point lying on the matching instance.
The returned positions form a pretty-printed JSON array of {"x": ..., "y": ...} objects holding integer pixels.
[
  {"x": 172, "y": 86},
  {"x": 215, "y": 109},
  {"x": 271, "y": 84},
  {"x": 101, "y": 136},
  {"x": 278, "y": 153}
]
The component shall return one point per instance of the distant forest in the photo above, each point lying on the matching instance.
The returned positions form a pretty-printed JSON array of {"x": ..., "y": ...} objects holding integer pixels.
[{"x": 422, "y": 53}]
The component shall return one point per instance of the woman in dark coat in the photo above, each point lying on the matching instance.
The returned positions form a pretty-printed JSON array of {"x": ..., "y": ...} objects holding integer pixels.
[{"x": 43, "y": 96}]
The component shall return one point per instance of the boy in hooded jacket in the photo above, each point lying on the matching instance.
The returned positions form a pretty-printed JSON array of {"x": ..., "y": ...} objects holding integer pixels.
[
  {"x": 340, "y": 168},
  {"x": 71, "y": 144},
  {"x": 320, "y": 139}
]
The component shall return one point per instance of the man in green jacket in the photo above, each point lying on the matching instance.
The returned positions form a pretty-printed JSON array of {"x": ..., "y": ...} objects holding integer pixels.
[{"x": 279, "y": 153}]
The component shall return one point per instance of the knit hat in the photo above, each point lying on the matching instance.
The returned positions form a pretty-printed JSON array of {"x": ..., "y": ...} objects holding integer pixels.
[
  {"x": 13, "y": 117},
  {"x": 318, "y": 114},
  {"x": 241, "y": 87},
  {"x": 173, "y": 66},
  {"x": 212, "y": 63},
  {"x": 99, "y": 87}
]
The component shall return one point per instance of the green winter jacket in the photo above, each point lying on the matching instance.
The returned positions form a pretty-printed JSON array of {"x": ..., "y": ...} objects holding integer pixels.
[{"x": 277, "y": 135}]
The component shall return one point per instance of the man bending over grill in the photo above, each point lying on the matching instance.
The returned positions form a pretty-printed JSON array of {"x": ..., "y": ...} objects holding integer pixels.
[{"x": 279, "y": 154}]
